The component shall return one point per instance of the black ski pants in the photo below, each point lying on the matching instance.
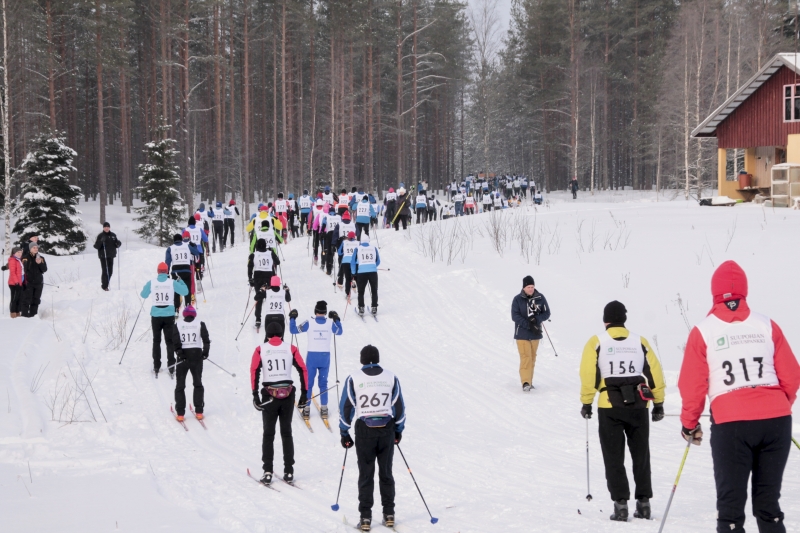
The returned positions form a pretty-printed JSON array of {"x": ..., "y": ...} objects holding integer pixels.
[
  {"x": 218, "y": 233},
  {"x": 422, "y": 214},
  {"x": 361, "y": 226},
  {"x": 740, "y": 449},
  {"x": 292, "y": 215},
  {"x": 16, "y": 298},
  {"x": 278, "y": 410},
  {"x": 303, "y": 223},
  {"x": 316, "y": 238},
  {"x": 375, "y": 444},
  {"x": 193, "y": 364},
  {"x": 165, "y": 324},
  {"x": 107, "y": 267},
  {"x": 31, "y": 298},
  {"x": 432, "y": 214},
  {"x": 361, "y": 282},
  {"x": 230, "y": 228},
  {"x": 345, "y": 276},
  {"x": 616, "y": 425},
  {"x": 186, "y": 277},
  {"x": 327, "y": 253},
  {"x": 398, "y": 220}
]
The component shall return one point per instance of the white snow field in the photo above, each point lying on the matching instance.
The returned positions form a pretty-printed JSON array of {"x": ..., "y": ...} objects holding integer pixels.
[{"x": 487, "y": 456}]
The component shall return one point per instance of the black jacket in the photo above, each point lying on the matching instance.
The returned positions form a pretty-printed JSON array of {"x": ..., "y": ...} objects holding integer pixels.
[
  {"x": 106, "y": 245},
  {"x": 34, "y": 273},
  {"x": 191, "y": 352},
  {"x": 275, "y": 262},
  {"x": 403, "y": 201},
  {"x": 528, "y": 313}
]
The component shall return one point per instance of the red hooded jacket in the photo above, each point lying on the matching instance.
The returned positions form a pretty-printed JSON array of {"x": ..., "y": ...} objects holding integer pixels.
[
  {"x": 728, "y": 283},
  {"x": 14, "y": 271}
]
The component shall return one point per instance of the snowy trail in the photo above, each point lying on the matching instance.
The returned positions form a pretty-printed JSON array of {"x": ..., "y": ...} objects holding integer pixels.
[{"x": 487, "y": 456}]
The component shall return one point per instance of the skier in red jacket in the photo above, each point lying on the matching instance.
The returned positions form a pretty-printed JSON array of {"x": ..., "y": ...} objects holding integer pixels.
[{"x": 741, "y": 360}]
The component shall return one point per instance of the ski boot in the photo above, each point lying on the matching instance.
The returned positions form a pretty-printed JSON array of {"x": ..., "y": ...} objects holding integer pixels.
[
  {"x": 179, "y": 418},
  {"x": 361, "y": 311},
  {"x": 288, "y": 477},
  {"x": 258, "y": 324},
  {"x": 172, "y": 373},
  {"x": 323, "y": 412},
  {"x": 642, "y": 509},
  {"x": 526, "y": 387},
  {"x": 339, "y": 286},
  {"x": 388, "y": 520},
  {"x": 155, "y": 371},
  {"x": 315, "y": 259},
  {"x": 365, "y": 524},
  {"x": 306, "y": 412},
  {"x": 620, "y": 511},
  {"x": 266, "y": 479},
  {"x": 374, "y": 310}
]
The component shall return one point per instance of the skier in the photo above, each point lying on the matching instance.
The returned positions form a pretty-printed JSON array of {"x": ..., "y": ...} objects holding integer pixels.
[
  {"x": 314, "y": 221},
  {"x": 230, "y": 213},
  {"x": 292, "y": 213},
  {"x": 364, "y": 213},
  {"x": 343, "y": 204},
  {"x": 458, "y": 200},
  {"x": 529, "y": 310},
  {"x": 378, "y": 428},
  {"x": 469, "y": 205},
  {"x": 16, "y": 280},
  {"x": 305, "y": 202},
  {"x": 34, "y": 267},
  {"x": 162, "y": 317},
  {"x": 364, "y": 266},
  {"x": 318, "y": 352},
  {"x": 275, "y": 296},
  {"x": 625, "y": 370},
  {"x": 390, "y": 201},
  {"x": 421, "y": 207},
  {"x": 276, "y": 401},
  {"x": 331, "y": 239},
  {"x": 487, "y": 202},
  {"x": 205, "y": 225},
  {"x": 433, "y": 208},
  {"x": 198, "y": 236},
  {"x": 328, "y": 197},
  {"x": 191, "y": 343},
  {"x": 743, "y": 362},
  {"x": 403, "y": 213},
  {"x": 524, "y": 187},
  {"x": 106, "y": 245},
  {"x": 261, "y": 266},
  {"x": 573, "y": 186},
  {"x": 180, "y": 259},
  {"x": 217, "y": 217},
  {"x": 497, "y": 201},
  {"x": 346, "y": 250}
]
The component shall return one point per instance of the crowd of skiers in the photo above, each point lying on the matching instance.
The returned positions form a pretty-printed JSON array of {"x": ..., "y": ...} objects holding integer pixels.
[{"x": 737, "y": 358}]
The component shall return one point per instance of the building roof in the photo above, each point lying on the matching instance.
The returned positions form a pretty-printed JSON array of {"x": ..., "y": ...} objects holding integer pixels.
[{"x": 708, "y": 128}]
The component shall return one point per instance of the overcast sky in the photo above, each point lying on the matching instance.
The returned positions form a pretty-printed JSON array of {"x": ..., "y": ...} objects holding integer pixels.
[{"x": 504, "y": 13}]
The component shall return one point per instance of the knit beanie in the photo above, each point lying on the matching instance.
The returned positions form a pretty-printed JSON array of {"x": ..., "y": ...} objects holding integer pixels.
[
  {"x": 527, "y": 280},
  {"x": 189, "y": 311},
  {"x": 615, "y": 313},
  {"x": 177, "y": 237},
  {"x": 321, "y": 308},
  {"x": 163, "y": 268},
  {"x": 370, "y": 355},
  {"x": 729, "y": 282}
]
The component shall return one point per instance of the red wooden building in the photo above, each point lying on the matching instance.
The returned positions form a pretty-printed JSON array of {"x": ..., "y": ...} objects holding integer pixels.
[{"x": 761, "y": 120}]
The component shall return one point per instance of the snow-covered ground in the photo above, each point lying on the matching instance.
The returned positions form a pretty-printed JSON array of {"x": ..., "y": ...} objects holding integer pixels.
[{"x": 487, "y": 456}]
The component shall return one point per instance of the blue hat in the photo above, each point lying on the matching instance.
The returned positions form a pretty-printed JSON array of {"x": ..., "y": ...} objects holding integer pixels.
[
  {"x": 327, "y": 188},
  {"x": 202, "y": 206},
  {"x": 291, "y": 195},
  {"x": 219, "y": 205},
  {"x": 402, "y": 184},
  {"x": 252, "y": 216}
]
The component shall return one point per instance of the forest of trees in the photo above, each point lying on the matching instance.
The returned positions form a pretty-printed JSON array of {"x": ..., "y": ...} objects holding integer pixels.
[{"x": 282, "y": 95}]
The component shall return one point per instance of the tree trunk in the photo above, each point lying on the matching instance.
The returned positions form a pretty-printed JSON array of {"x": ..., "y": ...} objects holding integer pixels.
[
  {"x": 125, "y": 129},
  {"x": 51, "y": 76},
  {"x": 370, "y": 147},
  {"x": 101, "y": 146},
  {"x": 285, "y": 161},
  {"x": 399, "y": 113},
  {"x": 4, "y": 103},
  {"x": 217, "y": 107},
  {"x": 246, "y": 112}
]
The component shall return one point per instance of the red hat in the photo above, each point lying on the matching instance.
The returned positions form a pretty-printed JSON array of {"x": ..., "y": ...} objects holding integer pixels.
[
  {"x": 351, "y": 235},
  {"x": 185, "y": 234},
  {"x": 346, "y": 215},
  {"x": 275, "y": 281},
  {"x": 729, "y": 282},
  {"x": 232, "y": 202},
  {"x": 197, "y": 216},
  {"x": 263, "y": 208},
  {"x": 163, "y": 268},
  {"x": 391, "y": 189}
]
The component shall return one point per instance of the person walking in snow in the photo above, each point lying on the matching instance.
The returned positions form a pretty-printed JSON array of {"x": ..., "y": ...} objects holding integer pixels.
[
  {"x": 305, "y": 203},
  {"x": 180, "y": 259},
  {"x": 364, "y": 214},
  {"x": 34, "y": 266},
  {"x": 217, "y": 217},
  {"x": 330, "y": 228},
  {"x": 106, "y": 245},
  {"x": 378, "y": 428},
  {"x": 529, "y": 310},
  {"x": 230, "y": 213},
  {"x": 403, "y": 213},
  {"x": 162, "y": 313},
  {"x": 624, "y": 369},
  {"x": 191, "y": 343},
  {"x": 320, "y": 330},
  {"x": 16, "y": 281},
  {"x": 364, "y": 266},
  {"x": 421, "y": 207},
  {"x": 261, "y": 266},
  {"x": 275, "y": 296},
  {"x": 573, "y": 186},
  {"x": 346, "y": 250},
  {"x": 742, "y": 361},
  {"x": 276, "y": 400},
  {"x": 199, "y": 237}
]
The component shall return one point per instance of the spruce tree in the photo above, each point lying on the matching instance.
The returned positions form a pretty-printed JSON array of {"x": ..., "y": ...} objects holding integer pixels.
[
  {"x": 46, "y": 206},
  {"x": 158, "y": 189}
]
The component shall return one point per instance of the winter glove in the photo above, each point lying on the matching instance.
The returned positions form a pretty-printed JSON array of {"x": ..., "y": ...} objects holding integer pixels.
[
  {"x": 180, "y": 356},
  {"x": 252, "y": 282},
  {"x": 4, "y": 268},
  {"x": 658, "y": 412},
  {"x": 293, "y": 313},
  {"x": 257, "y": 401},
  {"x": 347, "y": 441},
  {"x": 695, "y": 434},
  {"x": 334, "y": 316},
  {"x": 586, "y": 411},
  {"x": 398, "y": 437}
]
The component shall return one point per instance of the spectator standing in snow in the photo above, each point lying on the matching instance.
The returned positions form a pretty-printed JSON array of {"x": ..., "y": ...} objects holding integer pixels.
[
  {"x": 573, "y": 186},
  {"x": 106, "y": 245},
  {"x": 16, "y": 280},
  {"x": 34, "y": 267},
  {"x": 528, "y": 310},
  {"x": 623, "y": 368},
  {"x": 741, "y": 360}
]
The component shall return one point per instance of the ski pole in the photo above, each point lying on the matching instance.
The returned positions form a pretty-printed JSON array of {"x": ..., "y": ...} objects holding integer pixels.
[
  {"x": 119, "y": 273},
  {"x": 588, "y": 490},
  {"x": 386, "y": 269},
  {"x": 245, "y": 303},
  {"x": 132, "y": 330},
  {"x": 796, "y": 443},
  {"x": 245, "y": 320},
  {"x": 176, "y": 364},
  {"x": 323, "y": 392},
  {"x": 202, "y": 289},
  {"x": 335, "y": 506},
  {"x": 336, "y": 367},
  {"x": 551, "y": 340},
  {"x": 433, "y": 519},
  {"x": 50, "y": 284},
  {"x": 675, "y": 486},
  {"x": 216, "y": 365},
  {"x": 211, "y": 277}
]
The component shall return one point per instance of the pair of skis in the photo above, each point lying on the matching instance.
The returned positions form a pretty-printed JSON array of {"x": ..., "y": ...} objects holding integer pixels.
[
  {"x": 251, "y": 476},
  {"x": 308, "y": 422},
  {"x": 358, "y": 527},
  {"x": 364, "y": 319},
  {"x": 183, "y": 422}
]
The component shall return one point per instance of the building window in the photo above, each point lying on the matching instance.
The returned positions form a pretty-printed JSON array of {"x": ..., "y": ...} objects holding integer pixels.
[{"x": 791, "y": 103}]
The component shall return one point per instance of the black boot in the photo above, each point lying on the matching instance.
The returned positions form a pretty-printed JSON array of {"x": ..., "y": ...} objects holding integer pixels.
[
  {"x": 642, "y": 508},
  {"x": 620, "y": 511},
  {"x": 266, "y": 479},
  {"x": 364, "y": 524},
  {"x": 388, "y": 520}
]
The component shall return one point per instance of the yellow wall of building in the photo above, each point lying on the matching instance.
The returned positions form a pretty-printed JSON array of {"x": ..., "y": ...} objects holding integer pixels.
[
  {"x": 793, "y": 149},
  {"x": 725, "y": 187}
]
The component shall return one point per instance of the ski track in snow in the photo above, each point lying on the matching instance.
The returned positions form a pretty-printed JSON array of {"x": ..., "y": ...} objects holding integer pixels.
[{"x": 487, "y": 456}]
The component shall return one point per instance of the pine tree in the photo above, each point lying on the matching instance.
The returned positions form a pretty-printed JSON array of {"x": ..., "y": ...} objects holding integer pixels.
[
  {"x": 47, "y": 204},
  {"x": 159, "y": 184}
]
